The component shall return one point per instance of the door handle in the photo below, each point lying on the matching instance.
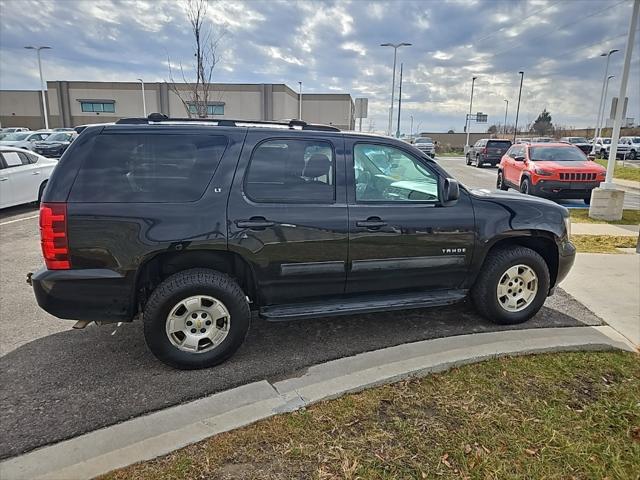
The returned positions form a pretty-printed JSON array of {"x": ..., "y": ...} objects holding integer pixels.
[
  {"x": 371, "y": 223},
  {"x": 255, "y": 223},
  {"x": 3, "y": 179},
  {"x": 36, "y": 173}
]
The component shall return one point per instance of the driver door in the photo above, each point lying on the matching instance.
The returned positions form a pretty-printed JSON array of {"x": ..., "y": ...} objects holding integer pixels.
[{"x": 400, "y": 235}]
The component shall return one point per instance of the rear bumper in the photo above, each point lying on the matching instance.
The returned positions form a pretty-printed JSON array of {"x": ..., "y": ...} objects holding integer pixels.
[
  {"x": 558, "y": 189},
  {"x": 88, "y": 294},
  {"x": 566, "y": 257}
]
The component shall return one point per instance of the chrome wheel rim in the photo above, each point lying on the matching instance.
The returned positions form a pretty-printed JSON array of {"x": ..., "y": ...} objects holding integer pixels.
[
  {"x": 198, "y": 324},
  {"x": 517, "y": 288}
]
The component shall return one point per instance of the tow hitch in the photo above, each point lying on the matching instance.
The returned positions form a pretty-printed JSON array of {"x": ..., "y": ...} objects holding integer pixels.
[{"x": 29, "y": 275}]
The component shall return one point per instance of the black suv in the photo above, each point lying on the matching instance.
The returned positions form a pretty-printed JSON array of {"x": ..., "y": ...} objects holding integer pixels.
[
  {"x": 196, "y": 224},
  {"x": 487, "y": 150}
]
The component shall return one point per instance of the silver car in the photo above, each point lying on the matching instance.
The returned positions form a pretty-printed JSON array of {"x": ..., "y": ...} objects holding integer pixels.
[
  {"x": 26, "y": 140},
  {"x": 426, "y": 145}
]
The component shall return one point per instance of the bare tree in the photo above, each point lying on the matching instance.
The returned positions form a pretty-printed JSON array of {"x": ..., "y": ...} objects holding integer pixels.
[{"x": 197, "y": 92}]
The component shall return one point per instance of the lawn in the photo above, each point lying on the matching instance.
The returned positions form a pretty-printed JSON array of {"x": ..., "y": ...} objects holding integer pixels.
[
  {"x": 569, "y": 415},
  {"x": 602, "y": 243},
  {"x": 624, "y": 172},
  {"x": 629, "y": 217}
]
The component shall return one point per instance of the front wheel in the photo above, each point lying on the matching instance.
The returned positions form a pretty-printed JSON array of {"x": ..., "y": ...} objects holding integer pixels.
[
  {"x": 512, "y": 285},
  {"x": 587, "y": 200},
  {"x": 196, "y": 319},
  {"x": 500, "y": 185},
  {"x": 525, "y": 187},
  {"x": 632, "y": 155}
]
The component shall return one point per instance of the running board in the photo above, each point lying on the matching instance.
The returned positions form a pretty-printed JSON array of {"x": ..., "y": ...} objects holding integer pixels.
[{"x": 361, "y": 304}]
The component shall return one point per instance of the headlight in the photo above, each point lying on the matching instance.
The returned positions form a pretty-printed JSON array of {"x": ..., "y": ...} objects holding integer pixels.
[
  {"x": 544, "y": 173},
  {"x": 567, "y": 226}
]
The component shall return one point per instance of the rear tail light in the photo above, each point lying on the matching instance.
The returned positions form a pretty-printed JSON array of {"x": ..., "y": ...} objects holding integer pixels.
[
  {"x": 484, "y": 150},
  {"x": 53, "y": 236}
]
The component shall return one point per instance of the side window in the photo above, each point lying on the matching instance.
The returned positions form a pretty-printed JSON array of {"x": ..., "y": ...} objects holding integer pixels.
[
  {"x": 387, "y": 174},
  {"x": 161, "y": 168},
  {"x": 25, "y": 158},
  {"x": 291, "y": 171},
  {"x": 12, "y": 159}
]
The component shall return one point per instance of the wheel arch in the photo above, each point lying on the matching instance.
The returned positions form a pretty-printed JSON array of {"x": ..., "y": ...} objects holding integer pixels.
[{"x": 164, "y": 264}]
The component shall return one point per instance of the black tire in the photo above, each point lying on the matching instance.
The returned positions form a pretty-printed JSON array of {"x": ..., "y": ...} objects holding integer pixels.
[
  {"x": 197, "y": 281},
  {"x": 525, "y": 187},
  {"x": 587, "y": 200},
  {"x": 500, "y": 185},
  {"x": 497, "y": 262},
  {"x": 632, "y": 155},
  {"x": 468, "y": 159},
  {"x": 478, "y": 162},
  {"x": 41, "y": 191}
]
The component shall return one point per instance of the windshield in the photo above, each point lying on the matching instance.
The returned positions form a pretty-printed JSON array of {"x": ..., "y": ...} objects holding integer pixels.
[
  {"x": 557, "y": 154},
  {"x": 424, "y": 140},
  {"x": 606, "y": 141},
  {"x": 59, "y": 137},
  {"x": 499, "y": 143},
  {"x": 16, "y": 137}
]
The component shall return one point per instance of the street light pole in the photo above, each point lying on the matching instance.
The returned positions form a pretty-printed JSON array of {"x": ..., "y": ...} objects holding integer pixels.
[
  {"x": 44, "y": 100},
  {"x": 601, "y": 106},
  {"x": 411, "y": 128},
  {"x": 144, "y": 101},
  {"x": 515, "y": 130},
  {"x": 466, "y": 125},
  {"x": 300, "y": 103},
  {"x": 399, "y": 103},
  {"x": 506, "y": 109},
  {"x": 393, "y": 80},
  {"x": 604, "y": 104}
]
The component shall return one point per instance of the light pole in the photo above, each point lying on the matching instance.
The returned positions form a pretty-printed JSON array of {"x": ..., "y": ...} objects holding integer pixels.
[
  {"x": 411, "y": 128},
  {"x": 604, "y": 104},
  {"x": 506, "y": 109},
  {"x": 466, "y": 124},
  {"x": 515, "y": 130},
  {"x": 144, "y": 101},
  {"x": 44, "y": 100},
  {"x": 395, "y": 46},
  {"x": 601, "y": 106},
  {"x": 399, "y": 103},
  {"x": 300, "y": 103}
]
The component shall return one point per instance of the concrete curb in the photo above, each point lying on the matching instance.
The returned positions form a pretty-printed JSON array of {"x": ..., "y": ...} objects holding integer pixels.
[{"x": 159, "y": 433}]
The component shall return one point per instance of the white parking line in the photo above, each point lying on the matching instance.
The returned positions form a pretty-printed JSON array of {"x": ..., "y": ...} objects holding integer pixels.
[{"x": 19, "y": 220}]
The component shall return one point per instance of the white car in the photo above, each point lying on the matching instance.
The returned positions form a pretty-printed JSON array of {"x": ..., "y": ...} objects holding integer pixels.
[
  {"x": 23, "y": 176},
  {"x": 26, "y": 140},
  {"x": 15, "y": 129},
  {"x": 633, "y": 147},
  {"x": 426, "y": 145}
]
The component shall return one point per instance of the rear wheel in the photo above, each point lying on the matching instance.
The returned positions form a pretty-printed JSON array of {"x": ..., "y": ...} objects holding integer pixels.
[
  {"x": 196, "y": 319},
  {"x": 500, "y": 185},
  {"x": 468, "y": 159},
  {"x": 512, "y": 285},
  {"x": 525, "y": 187},
  {"x": 478, "y": 162}
]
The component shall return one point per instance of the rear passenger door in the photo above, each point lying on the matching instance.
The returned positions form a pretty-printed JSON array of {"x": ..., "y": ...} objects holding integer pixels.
[{"x": 287, "y": 214}]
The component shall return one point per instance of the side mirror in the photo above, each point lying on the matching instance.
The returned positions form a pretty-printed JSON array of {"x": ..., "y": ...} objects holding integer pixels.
[
  {"x": 519, "y": 158},
  {"x": 450, "y": 190}
]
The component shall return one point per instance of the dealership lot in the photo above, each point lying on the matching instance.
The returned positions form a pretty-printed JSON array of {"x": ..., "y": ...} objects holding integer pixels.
[{"x": 60, "y": 383}]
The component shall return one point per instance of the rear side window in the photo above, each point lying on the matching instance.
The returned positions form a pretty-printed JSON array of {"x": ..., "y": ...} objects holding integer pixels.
[
  {"x": 291, "y": 171},
  {"x": 160, "y": 168}
]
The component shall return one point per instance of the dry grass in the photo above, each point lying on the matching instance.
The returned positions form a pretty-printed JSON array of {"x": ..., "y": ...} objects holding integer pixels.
[
  {"x": 624, "y": 172},
  {"x": 572, "y": 415},
  {"x": 602, "y": 243},
  {"x": 629, "y": 217}
]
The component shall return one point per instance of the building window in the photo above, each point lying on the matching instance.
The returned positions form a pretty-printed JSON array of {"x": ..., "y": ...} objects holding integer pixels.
[
  {"x": 212, "y": 109},
  {"x": 107, "y": 107}
]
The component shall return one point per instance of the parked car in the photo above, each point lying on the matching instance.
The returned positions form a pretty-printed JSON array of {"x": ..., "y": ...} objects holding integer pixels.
[
  {"x": 580, "y": 142},
  {"x": 55, "y": 145},
  {"x": 23, "y": 176},
  {"x": 632, "y": 145},
  {"x": 426, "y": 145},
  {"x": 195, "y": 225},
  {"x": 523, "y": 140},
  {"x": 542, "y": 140},
  {"x": 25, "y": 140},
  {"x": 63, "y": 129},
  {"x": 15, "y": 129},
  {"x": 487, "y": 150},
  {"x": 553, "y": 170}
]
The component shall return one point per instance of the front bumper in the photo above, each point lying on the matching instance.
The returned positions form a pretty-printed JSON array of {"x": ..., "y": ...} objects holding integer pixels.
[
  {"x": 428, "y": 150},
  {"x": 87, "y": 294},
  {"x": 560, "y": 189}
]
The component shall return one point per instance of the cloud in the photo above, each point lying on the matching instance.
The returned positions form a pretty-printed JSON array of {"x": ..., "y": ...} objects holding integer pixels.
[{"x": 333, "y": 46}]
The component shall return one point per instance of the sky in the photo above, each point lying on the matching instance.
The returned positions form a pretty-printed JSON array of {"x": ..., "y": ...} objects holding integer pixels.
[{"x": 334, "y": 47}]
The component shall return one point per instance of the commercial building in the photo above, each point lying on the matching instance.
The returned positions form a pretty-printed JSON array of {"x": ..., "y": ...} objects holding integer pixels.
[{"x": 77, "y": 103}]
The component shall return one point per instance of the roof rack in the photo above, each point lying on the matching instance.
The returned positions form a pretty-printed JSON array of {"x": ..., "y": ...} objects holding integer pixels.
[{"x": 160, "y": 118}]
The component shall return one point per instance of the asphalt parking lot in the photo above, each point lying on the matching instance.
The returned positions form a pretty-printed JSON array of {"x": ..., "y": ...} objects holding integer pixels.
[{"x": 59, "y": 383}]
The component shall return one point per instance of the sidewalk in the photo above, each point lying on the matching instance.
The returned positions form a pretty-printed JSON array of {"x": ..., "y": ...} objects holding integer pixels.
[
  {"x": 609, "y": 286},
  {"x": 604, "y": 229},
  {"x": 630, "y": 184}
]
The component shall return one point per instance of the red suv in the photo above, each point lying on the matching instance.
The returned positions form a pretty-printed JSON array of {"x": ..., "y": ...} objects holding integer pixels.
[{"x": 554, "y": 170}]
